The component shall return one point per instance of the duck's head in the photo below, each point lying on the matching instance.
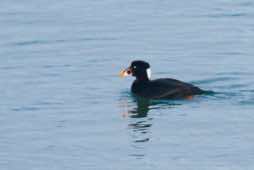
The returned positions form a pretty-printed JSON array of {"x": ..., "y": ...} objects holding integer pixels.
[{"x": 139, "y": 69}]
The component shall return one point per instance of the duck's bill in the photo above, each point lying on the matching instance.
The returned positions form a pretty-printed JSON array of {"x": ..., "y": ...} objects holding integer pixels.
[{"x": 125, "y": 72}]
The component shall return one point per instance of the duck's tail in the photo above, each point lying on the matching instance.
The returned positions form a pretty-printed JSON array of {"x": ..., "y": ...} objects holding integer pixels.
[{"x": 208, "y": 92}]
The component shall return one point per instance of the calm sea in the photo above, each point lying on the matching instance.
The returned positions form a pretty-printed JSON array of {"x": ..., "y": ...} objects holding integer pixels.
[{"x": 63, "y": 106}]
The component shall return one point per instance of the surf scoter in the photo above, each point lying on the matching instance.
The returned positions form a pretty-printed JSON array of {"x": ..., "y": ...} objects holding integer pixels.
[{"x": 163, "y": 88}]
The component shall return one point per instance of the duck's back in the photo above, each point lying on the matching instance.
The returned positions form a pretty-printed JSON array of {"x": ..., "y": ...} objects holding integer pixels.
[{"x": 165, "y": 88}]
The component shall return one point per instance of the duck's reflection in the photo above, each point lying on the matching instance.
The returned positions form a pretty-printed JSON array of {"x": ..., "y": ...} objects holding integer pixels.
[
  {"x": 140, "y": 121},
  {"x": 141, "y": 109},
  {"x": 136, "y": 109},
  {"x": 141, "y": 114}
]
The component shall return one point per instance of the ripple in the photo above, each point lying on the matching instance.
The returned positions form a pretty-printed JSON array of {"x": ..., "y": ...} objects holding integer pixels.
[
  {"x": 235, "y": 86},
  {"x": 138, "y": 156},
  {"x": 234, "y": 73},
  {"x": 48, "y": 103},
  {"x": 231, "y": 53},
  {"x": 227, "y": 15},
  {"x": 142, "y": 140},
  {"x": 248, "y": 91},
  {"x": 26, "y": 108},
  {"x": 214, "y": 80},
  {"x": 249, "y": 102},
  {"x": 140, "y": 126},
  {"x": 48, "y": 66},
  {"x": 42, "y": 42},
  {"x": 11, "y": 67}
]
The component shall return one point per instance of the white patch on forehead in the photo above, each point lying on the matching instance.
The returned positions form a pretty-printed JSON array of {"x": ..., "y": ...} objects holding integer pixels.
[{"x": 149, "y": 73}]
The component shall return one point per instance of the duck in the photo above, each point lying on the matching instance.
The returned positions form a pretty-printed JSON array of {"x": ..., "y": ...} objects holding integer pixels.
[{"x": 162, "y": 88}]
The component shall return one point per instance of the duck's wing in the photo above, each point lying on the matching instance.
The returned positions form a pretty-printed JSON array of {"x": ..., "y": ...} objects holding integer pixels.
[{"x": 170, "y": 88}]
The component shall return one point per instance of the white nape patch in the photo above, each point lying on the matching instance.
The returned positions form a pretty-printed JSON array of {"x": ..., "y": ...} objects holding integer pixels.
[{"x": 149, "y": 73}]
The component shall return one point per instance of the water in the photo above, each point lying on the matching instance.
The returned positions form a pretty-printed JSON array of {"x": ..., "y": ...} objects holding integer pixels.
[{"x": 64, "y": 107}]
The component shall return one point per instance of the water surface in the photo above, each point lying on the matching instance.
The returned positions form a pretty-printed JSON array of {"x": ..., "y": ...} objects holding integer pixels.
[{"x": 63, "y": 106}]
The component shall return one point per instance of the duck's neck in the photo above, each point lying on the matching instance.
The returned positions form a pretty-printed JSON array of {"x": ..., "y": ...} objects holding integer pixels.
[
  {"x": 142, "y": 79},
  {"x": 139, "y": 85},
  {"x": 143, "y": 75}
]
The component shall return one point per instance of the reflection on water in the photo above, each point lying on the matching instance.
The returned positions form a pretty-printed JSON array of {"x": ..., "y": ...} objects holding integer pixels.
[
  {"x": 142, "y": 108},
  {"x": 138, "y": 107},
  {"x": 140, "y": 123}
]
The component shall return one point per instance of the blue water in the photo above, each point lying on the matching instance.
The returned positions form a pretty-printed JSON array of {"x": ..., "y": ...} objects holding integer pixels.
[{"x": 64, "y": 107}]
